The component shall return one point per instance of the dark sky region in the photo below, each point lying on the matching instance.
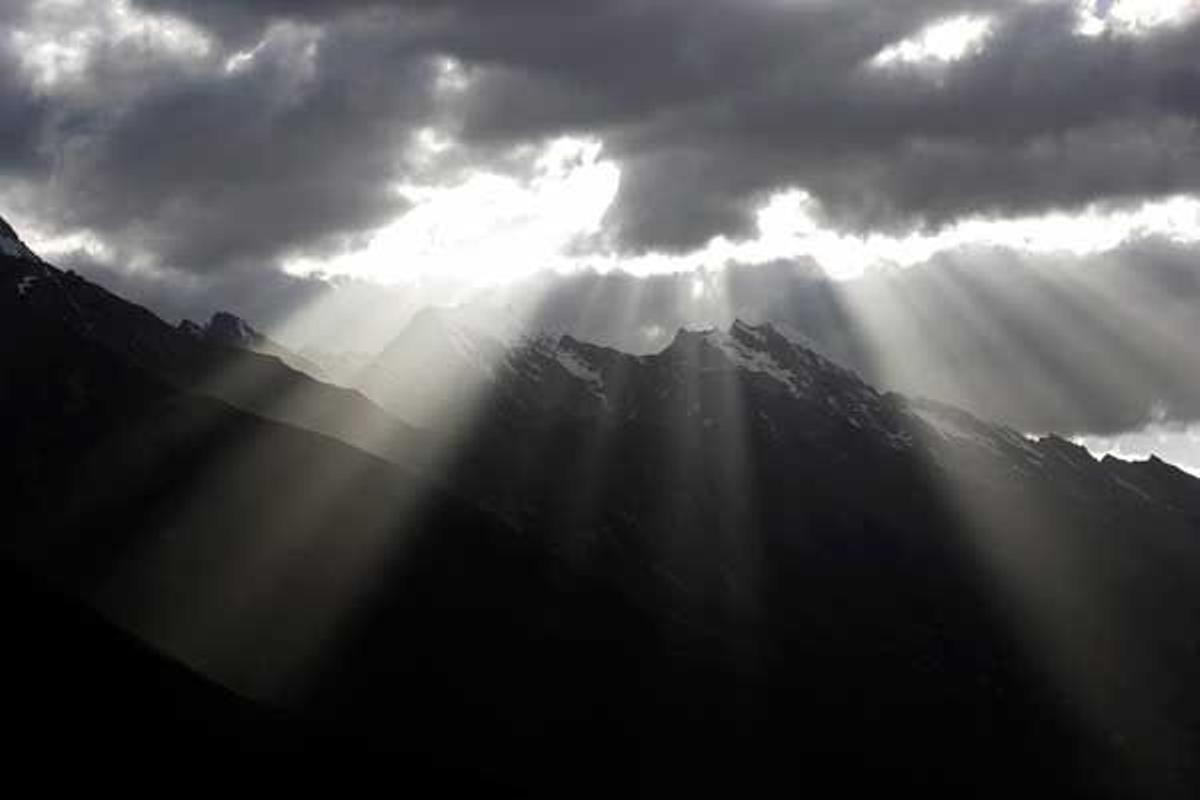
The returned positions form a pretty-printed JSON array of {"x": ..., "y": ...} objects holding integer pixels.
[{"x": 265, "y": 156}]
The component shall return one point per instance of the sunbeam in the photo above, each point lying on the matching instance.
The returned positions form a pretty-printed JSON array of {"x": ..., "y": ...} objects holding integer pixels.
[{"x": 645, "y": 398}]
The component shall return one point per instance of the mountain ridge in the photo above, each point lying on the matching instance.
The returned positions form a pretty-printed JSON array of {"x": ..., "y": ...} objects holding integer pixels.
[{"x": 261, "y": 383}]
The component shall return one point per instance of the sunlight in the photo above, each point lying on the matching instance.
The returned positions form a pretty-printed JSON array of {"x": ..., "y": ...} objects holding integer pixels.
[
  {"x": 1047, "y": 571},
  {"x": 652, "y": 398},
  {"x": 789, "y": 228},
  {"x": 490, "y": 228},
  {"x": 1133, "y": 17},
  {"x": 942, "y": 42},
  {"x": 208, "y": 597}
]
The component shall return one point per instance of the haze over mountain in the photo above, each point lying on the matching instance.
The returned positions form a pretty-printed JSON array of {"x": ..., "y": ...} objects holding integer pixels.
[
  {"x": 1096, "y": 346},
  {"x": 629, "y": 398}
]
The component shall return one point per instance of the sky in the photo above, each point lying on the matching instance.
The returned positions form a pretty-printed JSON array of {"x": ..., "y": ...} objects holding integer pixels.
[{"x": 256, "y": 156}]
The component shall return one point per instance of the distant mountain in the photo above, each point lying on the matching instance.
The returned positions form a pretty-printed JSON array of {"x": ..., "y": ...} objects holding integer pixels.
[
  {"x": 230, "y": 330},
  {"x": 434, "y": 371},
  {"x": 727, "y": 566},
  {"x": 342, "y": 367}
]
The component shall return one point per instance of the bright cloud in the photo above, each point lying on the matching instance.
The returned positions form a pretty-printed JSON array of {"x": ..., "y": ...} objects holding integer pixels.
[
  {"x": 1177, "y": 444},
  {"x": 789, "y": 227},
  {"x": 944, "y": 41},
  {"x": 490, "y": 227},
  {"x": 58, "y": 49},
  {"x": 1133, "y": 16}
]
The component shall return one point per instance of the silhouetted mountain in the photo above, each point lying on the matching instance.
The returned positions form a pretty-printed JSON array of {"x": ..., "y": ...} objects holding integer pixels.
[
  {"x": 207, "y": 364},
  {"x": 1052, "y": 342},
  {"x": 743, "y": 483},
  {"x": 230, "y": 330},
  {"x": 731, "y": 565}
]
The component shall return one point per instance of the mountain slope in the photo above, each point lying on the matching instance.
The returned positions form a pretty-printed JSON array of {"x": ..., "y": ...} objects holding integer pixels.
[
  {"x": 258, "y": 553},
  {"x": 728, "y": 566},
  {"x": 261, "y": 384},
  {"x": 743, "y": 482}
]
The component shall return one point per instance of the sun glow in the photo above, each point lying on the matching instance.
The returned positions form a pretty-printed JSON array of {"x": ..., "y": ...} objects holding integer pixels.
[
  {"x": 942, "y": 42},
  {"x": 490, "y": 227}
]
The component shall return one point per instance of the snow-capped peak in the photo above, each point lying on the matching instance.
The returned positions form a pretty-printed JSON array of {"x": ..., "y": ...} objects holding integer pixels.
[{"x": 747, "y": 347}]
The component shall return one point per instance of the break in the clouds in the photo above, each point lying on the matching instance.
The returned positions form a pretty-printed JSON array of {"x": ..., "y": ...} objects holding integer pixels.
[{"x": 389, "y": 139}]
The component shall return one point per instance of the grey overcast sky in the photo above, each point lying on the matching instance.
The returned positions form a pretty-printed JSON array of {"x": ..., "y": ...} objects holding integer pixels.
[
  {"x": 188, "y": 142},
  {"x": 263, "y": 155}
]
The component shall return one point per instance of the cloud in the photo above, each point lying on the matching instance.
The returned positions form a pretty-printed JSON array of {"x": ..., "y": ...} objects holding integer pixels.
[
  {"x": 202, "y": 165},
  {"x": 195, "y": 138}
]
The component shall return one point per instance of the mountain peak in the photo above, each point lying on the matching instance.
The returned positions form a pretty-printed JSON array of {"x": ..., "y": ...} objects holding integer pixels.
[
  {"x": 225, "y": 328},
  {"x": 430, "y": 319},
  {"x": 231, "y": 329}
]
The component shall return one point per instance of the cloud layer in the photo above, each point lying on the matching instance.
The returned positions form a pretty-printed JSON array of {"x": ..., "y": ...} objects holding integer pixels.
[{"x": 221, "y": 132}]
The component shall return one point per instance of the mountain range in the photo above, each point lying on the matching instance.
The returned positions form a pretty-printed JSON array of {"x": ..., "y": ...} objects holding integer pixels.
[{"x": 731, "y": 564}]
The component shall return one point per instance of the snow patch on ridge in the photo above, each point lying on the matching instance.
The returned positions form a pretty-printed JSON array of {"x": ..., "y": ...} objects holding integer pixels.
[
  {"x": 575, "y": 365},
  {"x": 743, "y": 356}
]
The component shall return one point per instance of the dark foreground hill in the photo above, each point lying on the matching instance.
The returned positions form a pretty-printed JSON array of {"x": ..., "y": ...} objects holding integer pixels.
[{"x": 731, "y": 566}]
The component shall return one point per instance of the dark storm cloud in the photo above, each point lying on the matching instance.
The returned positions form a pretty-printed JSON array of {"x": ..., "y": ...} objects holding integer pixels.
[
  {"x": 22, "y": 117},
  {"x": 208, "y": 169},
  {"x": 720, "y": 105},
  {"x": 711, "y": 106},
  {"x": 707, "y": 107}
]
